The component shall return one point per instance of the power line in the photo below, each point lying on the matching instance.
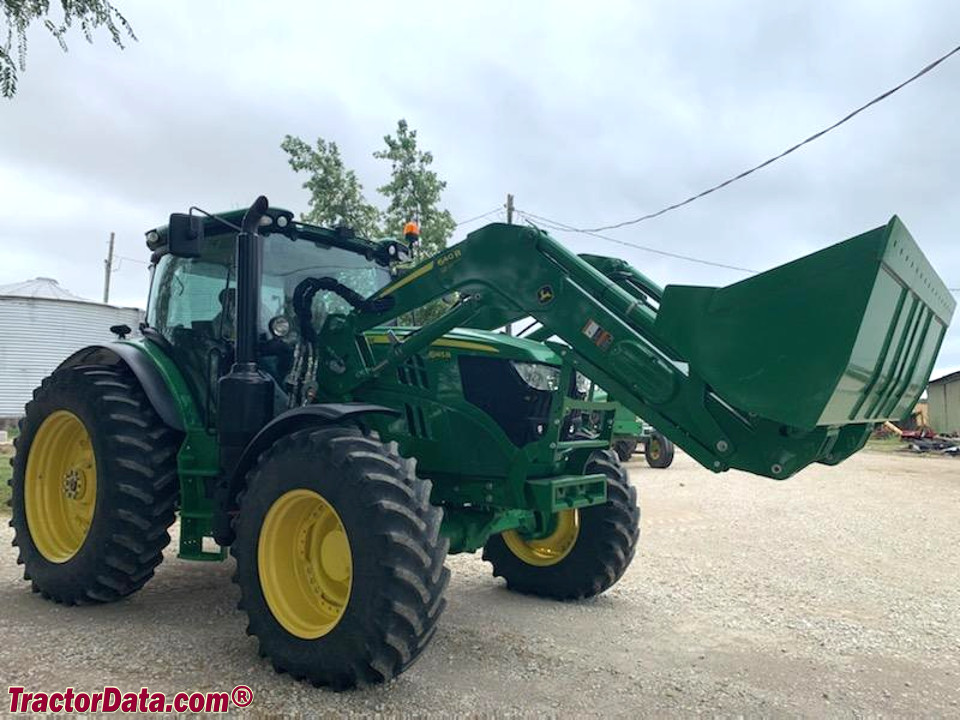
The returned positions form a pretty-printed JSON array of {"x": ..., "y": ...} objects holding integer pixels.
[
  {"x": 561, "y": 227},
  {"x": 479, "y": 217},
  {"x": 554, "y": 225},
  {"x": 765, "y": 163},
  {"x": 120, "y": 260},
  {"x": 124, "y": 257}
]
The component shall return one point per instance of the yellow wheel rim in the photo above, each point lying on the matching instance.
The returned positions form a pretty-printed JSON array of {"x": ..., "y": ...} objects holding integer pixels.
[
  {"x": 547, "y": 550},
  {"x": 304, "y": 563},
  {"x": 60, "y": 487},
  {"x": 653, "y": 449}
]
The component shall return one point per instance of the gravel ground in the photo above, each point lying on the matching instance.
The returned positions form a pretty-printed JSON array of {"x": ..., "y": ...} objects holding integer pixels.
[{"x": 836, "y": 593}]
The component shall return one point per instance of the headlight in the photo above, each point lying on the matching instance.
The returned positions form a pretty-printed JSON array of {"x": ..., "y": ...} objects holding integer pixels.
[
  {"x": 538, "y": 376},
  {"x": 279, "y": 326},
  {"x": 583, "y": 384}
]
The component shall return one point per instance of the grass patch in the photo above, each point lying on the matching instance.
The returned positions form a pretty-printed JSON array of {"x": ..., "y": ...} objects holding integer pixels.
[
  {"x": 5, "y": 472},
  {"x": 886, "y": 444}
]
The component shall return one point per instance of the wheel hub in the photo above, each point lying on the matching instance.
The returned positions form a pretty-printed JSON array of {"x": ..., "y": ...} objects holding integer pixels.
[
  {"x": 74, "y": 484},
  {"x": 333, "y": 555},
  {"x": 553, "y": 547},
  {"x": 654, "y": 449}
]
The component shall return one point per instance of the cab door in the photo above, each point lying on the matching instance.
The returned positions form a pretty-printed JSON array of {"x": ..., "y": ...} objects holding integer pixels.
[{"x": 192, "y": 315}]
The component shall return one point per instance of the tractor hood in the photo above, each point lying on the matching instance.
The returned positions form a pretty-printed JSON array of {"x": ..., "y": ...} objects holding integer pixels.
[{"x": 480, "y": 342}]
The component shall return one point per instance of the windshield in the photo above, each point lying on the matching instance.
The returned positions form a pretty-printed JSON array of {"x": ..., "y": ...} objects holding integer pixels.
[
  {"x": 287, "y": 263},
  {"x": 199, "y": 294}
]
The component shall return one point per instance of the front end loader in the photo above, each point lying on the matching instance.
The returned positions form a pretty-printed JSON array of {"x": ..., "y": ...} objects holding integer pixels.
[{"x": 275, "y": 404}]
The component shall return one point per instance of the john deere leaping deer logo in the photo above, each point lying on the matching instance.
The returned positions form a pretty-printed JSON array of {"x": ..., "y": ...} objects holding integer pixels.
[{"x": 544, "y": 294}]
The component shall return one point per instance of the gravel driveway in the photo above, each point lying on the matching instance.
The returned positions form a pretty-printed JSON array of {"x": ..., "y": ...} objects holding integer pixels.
[{"x": 836, "y": 593}]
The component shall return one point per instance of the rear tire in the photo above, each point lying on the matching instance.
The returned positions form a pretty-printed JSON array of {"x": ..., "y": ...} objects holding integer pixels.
[
  {"x": 340, "y": 560},
  {"x": 658, "y": 451},
  {"x": 625, "y": 449},
  {"x": 95, "y": 477},
  {"x": 602, "y": 546}
]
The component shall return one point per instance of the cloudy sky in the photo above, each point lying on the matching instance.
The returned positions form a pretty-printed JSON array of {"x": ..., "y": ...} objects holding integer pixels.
[{"x": 588, "y": 112}]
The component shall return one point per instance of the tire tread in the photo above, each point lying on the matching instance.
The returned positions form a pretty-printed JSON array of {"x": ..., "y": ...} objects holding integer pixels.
[
  {"x": 406, "y": 527},
  {"x": 143, "y": 495}
]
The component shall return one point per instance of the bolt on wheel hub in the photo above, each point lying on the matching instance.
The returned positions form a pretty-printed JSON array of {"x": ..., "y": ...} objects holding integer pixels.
[{"x": 74, "y": 484}]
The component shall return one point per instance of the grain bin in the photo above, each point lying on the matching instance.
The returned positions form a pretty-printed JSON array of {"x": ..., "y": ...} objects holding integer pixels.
[{"x": 41, "y": 323}]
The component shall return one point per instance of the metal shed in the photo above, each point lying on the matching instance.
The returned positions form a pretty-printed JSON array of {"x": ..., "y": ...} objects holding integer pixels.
[
  {"x": 943, "y": 395},
  {"x": 41, "y": 323}
]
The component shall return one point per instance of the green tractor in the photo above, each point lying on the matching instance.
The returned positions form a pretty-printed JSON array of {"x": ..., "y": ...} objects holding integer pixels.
[
  {"x": 275, "y": 406},
  {"x": 631, "y": 432}
]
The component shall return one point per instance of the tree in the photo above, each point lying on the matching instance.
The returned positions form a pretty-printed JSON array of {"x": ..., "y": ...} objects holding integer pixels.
[
  {"x": 336, "y": 196},
  {"x": 414, "y": 192},
  {"x": 20, "y": 14}
]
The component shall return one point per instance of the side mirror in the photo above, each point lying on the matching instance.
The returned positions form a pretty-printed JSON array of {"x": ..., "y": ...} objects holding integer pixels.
[{"x": 184, "y": 234}]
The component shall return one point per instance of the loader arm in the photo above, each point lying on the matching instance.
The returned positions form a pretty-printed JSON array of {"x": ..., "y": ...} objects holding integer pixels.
[{"x": 792, "y": 366}]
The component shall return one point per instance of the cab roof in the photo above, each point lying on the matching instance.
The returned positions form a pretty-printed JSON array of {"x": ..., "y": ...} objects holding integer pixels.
[{"x": 276, "y": 220}]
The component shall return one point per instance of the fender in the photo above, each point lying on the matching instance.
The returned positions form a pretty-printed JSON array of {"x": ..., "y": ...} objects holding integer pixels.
[
  {"x": 142, "y": 367},
  {"x": 283, "y": 424}
]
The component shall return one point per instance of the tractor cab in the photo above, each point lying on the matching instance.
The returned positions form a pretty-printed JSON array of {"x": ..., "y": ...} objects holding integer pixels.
[{"x": 192, "y": 307}]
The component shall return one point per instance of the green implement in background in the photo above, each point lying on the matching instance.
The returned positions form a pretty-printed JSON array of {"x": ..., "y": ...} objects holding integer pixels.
[{"x": 630, "y": 432}]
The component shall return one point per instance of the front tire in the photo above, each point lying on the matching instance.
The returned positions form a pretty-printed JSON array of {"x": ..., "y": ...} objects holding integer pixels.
[
  {"x": 587, "y": 550},
  {"x": 340, "y": 560},
  {"x": 94, "y": 486}
]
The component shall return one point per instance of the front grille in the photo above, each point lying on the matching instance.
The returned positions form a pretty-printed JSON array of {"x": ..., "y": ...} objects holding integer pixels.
[
  {"x": 416, "y": 421},
  {"x": 494, "y": 386},
  {"x": 413, "y": 372}
]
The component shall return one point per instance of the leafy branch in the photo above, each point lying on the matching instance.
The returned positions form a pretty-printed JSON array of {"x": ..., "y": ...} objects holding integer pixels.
[{"x": 19, "y": 15}]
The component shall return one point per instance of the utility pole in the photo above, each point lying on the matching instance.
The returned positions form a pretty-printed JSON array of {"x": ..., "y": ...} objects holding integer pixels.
[
  {"x": 107, "y": 269},
  {"x": 508, "y": 328}
]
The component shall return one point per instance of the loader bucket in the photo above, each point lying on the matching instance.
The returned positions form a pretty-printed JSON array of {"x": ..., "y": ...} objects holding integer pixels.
[{"x": 846, "y": 335}]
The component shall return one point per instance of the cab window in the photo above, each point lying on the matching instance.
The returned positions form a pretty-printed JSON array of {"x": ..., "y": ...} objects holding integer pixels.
[{"x": 195, "y": 294}]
